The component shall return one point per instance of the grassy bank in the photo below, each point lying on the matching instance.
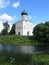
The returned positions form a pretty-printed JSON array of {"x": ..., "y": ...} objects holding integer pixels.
[
  {"x": 22, "y": 59},
  {"x": 18, "y": 40}
]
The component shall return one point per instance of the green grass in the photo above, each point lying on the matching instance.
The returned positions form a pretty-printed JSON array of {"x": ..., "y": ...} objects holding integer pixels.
[
  {"x": 18, "y": 40},
  {"x": 39, "y": 59}
]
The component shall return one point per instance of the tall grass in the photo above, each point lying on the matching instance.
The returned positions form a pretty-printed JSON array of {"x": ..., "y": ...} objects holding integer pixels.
[
  {"x": 18, "y": 40},
  {"x": 24, "y": 59}
]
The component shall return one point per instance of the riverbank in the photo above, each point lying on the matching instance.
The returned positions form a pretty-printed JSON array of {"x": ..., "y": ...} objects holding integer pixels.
[
  {"x": 22, "y": 59},
  {"x": 18, "y": 40}
]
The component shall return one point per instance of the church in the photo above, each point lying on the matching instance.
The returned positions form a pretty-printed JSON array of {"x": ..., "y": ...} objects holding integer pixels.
[{"x": 24, "y": 26}]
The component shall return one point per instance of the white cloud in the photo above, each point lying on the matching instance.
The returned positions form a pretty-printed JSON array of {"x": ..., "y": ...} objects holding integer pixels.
[
  {"x": 4, "y": 3},
  {"x": 6, "y": 17},
  {"x": 16, "y": 4},
  {"x": 10, "y": 26},
  {"x": 1, "y": 26}
]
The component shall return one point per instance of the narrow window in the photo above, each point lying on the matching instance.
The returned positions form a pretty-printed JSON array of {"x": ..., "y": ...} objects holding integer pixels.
[
  {"x": 28, "y": 33},
  {"x": 18, "y": 33}
]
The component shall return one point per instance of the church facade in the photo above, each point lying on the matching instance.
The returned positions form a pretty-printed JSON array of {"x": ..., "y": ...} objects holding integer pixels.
[{"x": 24, "y": 27}]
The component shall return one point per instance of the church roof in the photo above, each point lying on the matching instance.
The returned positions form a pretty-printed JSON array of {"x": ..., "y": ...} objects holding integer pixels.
[{"x": 24, "y": 13}]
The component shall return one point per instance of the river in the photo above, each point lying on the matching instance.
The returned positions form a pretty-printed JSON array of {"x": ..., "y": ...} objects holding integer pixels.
[{"x": 24, "y": 49}]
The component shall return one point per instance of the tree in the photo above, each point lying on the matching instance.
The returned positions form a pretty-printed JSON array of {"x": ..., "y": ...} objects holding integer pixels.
[
  {"x": 12, "y": 31},
  {"x": 6, "y": 28},
  {"x": 41, "y": 32}
]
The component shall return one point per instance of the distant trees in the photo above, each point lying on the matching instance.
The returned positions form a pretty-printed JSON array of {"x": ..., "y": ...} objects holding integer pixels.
[
  {"x": 41, "y": 32},
  {"x": 12, "y": 31},
  {"x": 5, "y": 29}
]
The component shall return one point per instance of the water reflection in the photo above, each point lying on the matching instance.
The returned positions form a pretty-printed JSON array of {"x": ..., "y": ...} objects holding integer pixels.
[
  {"x": 1, "y": 48},
  {"x": 8, "y": 48},
  {"x": 24, "y": 49}
]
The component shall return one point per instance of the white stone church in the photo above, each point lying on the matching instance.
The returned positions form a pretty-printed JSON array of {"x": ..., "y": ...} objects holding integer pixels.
[{"x": 24, "y": 27}]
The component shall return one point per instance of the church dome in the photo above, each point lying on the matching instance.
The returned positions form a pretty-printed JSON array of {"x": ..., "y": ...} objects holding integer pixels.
[{"x": 24, "y": 13}]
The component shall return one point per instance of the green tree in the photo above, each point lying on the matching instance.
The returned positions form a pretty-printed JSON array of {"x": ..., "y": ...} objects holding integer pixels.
[
  {"x": 12, "y": 31},
  {"x": 6, "y": 28},
  {"x": 41, "y": 32}
]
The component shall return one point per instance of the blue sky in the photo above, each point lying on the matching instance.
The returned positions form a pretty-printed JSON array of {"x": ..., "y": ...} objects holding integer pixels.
[{"x": 38, "y": 10}]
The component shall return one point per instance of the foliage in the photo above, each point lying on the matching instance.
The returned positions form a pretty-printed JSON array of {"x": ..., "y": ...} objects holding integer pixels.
[
  {"x": 12, "y": 31},
  {"x": 18, "y": 40},
  {"x": 6, "y": 28},
  {"x": 41, "y": 32},
  {"x": 18, "y": 59},
  {"x": 24, "y": 59}
]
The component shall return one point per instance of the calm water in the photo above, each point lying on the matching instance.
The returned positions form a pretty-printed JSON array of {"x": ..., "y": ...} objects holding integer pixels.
[{"x": 24, "y": 49}]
